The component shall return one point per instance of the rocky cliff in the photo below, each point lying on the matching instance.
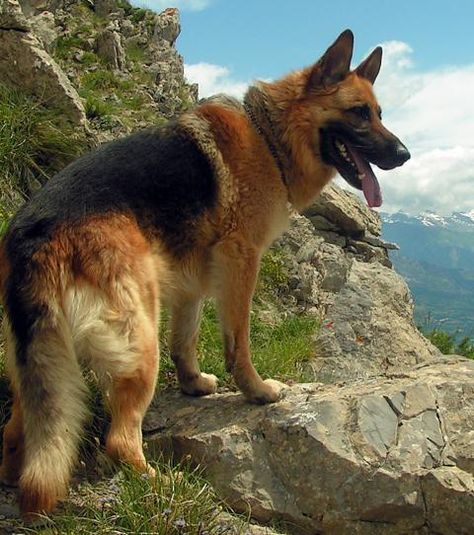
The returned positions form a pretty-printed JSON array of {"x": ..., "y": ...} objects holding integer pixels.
[
  {"x": 381, "y": 442},
  {"x": 104, "y": 64}
]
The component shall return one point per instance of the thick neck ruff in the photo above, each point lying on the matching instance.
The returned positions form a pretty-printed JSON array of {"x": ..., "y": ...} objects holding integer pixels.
[{"x": 259, "y": 112}]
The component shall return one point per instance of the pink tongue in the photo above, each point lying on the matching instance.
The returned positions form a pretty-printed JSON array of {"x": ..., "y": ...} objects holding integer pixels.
[{"x": 370, "y": 184}]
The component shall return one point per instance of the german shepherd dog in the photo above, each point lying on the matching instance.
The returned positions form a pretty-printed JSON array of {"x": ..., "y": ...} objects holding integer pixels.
[{"x": 169, "y": 216}]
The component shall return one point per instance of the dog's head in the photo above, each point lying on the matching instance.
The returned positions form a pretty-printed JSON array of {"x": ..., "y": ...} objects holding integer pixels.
[{"x": 351, "y": 134}]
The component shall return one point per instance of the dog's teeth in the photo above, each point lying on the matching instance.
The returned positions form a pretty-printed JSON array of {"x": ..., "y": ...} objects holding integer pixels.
[{"x": 361, "y": 176}]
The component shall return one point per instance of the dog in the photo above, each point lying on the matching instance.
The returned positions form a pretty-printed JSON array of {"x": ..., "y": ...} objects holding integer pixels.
[{"x": 169, "y": 215}]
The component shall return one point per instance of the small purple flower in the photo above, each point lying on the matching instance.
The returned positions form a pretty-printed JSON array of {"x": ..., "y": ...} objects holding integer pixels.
[{"x": 167, "y": 512}]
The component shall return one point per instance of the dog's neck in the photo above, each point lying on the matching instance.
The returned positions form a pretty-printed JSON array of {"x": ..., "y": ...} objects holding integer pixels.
[{"x": 261, "y": 114}]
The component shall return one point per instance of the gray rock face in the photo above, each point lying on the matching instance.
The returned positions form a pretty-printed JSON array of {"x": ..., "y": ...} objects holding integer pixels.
[
  {"x": 24, "y": 63},
  {"x": 386, "y": 456},
  {"x": 368, "y": 327},
  {"x": 365, "y": 307},
  {"x": 166, "y": 64},
  {"x": 44, "y": 27},
  {"x": 12, "y": 17},
  {"x": 105, "y": 7},
  {"x": 109, "y": 48}
]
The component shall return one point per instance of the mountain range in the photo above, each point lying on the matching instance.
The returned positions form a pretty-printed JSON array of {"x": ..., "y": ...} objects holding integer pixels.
[{"x": 436, "y": 258}]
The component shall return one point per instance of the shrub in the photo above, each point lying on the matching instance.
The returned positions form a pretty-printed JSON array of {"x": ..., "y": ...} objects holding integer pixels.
[{"x": 448, "y": 345}]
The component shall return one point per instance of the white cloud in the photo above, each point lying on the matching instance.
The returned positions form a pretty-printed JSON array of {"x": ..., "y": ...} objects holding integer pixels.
[
  {"x": 185, "y": 5},
  {"x": 213, "y": 79}
]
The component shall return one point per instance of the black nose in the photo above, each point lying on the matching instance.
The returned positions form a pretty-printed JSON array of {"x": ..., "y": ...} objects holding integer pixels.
[{"x": 402, "y": 154}]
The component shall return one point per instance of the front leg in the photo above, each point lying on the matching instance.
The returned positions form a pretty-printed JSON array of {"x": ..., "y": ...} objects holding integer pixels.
[
  {"x": 236, "y": 268},
  {"x": 185, "y": 320}
]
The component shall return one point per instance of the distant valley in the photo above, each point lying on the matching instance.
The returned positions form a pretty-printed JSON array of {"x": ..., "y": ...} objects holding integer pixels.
[{"x": 436, "y": 258}]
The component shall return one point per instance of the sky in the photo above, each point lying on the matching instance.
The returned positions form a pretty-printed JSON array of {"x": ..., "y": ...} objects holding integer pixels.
[{"x": 426, "y": 85}]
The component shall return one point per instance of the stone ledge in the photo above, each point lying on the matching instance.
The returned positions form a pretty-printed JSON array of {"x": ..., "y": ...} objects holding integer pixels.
[{"x": 389, "y": 455}]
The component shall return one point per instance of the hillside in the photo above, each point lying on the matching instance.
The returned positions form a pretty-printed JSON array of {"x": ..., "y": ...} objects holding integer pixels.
[{"x": 436, "y": 258}]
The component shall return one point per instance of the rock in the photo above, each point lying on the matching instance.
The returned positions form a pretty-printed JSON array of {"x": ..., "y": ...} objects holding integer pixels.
[
  {"x": 24, "y": 63},
  {"x": 34, "y": 7},
  {"x": 346, "y": 211},
  {"x": 365, "y": 307},
  {"x": 167, "y": 27},
  {"x": 368, "y": 328},
  {"x": 321, "y": 223},
  {"x": 369, "y": 253},
  {"x": 44, "y": 27},
  {"x": 377, "y": 242},
  {"x": 12, "y": 17},
  {"x": 109, "y": 48},
  {"x": 103, "y": 8},
  {"x": 376, "y": 456}
]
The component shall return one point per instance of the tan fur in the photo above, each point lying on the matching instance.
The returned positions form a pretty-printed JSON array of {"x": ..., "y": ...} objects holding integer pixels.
[{"x": 102, "y": 282}]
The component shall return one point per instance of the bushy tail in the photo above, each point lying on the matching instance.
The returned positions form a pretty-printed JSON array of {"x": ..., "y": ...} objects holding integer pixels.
[{"x": 52, "y": 394}]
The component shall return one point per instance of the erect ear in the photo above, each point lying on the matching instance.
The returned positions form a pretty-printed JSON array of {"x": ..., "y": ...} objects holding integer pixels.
[
  {"x": 334, "y": 64},
  {"x": 370, "y": 67}
]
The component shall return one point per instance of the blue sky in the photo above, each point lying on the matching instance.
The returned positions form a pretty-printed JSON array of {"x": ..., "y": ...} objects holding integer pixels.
[
  {"x": 265, "y": 38},
  {"x": 426, "y": 86}
]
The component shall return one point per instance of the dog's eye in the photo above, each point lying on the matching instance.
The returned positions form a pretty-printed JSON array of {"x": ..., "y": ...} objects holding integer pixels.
[{"x": 361, "y": 111}]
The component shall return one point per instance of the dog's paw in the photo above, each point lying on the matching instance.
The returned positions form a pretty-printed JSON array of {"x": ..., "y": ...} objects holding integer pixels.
[
  {"x": 268, "y": 391},
  {"x": 202, "y": 385}
]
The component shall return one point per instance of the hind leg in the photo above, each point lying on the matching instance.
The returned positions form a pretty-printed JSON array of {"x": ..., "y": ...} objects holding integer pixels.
[
  {"x": 13, "y": 446},
  {"x": 185, "y": 320},
  {"x": 128, "y": 399},
  {"x": 13, "y": 436},
  {"x": 121, "y": 346}
]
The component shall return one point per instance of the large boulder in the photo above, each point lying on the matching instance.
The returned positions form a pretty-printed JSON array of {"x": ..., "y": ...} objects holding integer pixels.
[
  {"x": 24, "y": 63},
  {"x": 12, "y": 17},
  {"x": 386, "y": 456},
  {"x": 109, "y": 48}
]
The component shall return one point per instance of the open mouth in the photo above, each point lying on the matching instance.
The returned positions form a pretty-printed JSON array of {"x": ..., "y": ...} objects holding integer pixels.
[{"x": 353, "y": 166}]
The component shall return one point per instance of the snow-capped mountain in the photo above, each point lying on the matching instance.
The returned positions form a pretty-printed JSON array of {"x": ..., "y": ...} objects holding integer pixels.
[
  {"x": 436, "y": 258},
  {"x": 431, "y": 219}
]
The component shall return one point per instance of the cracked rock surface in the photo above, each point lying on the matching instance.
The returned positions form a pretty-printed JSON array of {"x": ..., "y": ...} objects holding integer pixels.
[{"x": 389, "y": 455}]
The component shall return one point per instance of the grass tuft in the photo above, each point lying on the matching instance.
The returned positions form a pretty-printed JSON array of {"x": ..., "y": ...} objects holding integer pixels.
[
  {"x": 177, "y": 501},
  {"x": 32, "y": 147}
]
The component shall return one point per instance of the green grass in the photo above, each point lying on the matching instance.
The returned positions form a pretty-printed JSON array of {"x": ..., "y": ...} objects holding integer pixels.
[
  {"x": 138, "y": 14},
  {"x": 135, "y": 53},
  {"x": 96, "y": 108},
  {"x": 280, "y": 350},
  {"x": 33, "y": 146},
  {"x": 177, "y": 501},
  {"x": 65, "y": 45}
]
